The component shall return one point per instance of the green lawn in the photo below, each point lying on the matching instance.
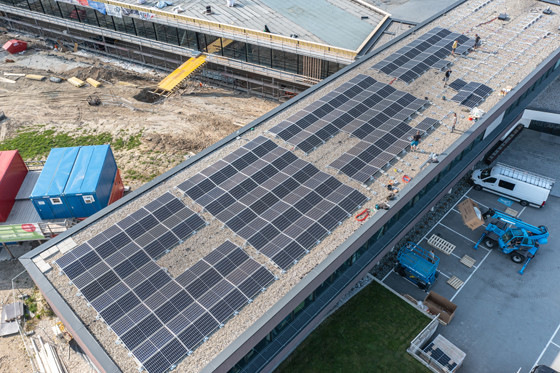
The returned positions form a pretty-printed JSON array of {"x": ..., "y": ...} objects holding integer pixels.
[{"x": 370, "y": 333}]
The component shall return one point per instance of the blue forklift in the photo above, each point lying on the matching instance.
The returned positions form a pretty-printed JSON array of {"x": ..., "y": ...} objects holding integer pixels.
[
  {"x": 417, "y": 265},
  {"x": 513, "y": 236}
]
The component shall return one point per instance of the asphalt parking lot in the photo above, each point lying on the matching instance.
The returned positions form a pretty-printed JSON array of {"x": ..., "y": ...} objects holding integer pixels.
[{"x": 505, "y": 322}]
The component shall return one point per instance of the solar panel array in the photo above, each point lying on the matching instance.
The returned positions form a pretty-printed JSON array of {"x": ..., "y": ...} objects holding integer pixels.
[
  {"x": 472, "y": 94},
  {"x": 357, "y": 107},
  {"x": 428, "y": 51},
  {"x": 281, "y": 204},
  {"x": 158, "y": 318},
  {"x": 378, "y": 149}
]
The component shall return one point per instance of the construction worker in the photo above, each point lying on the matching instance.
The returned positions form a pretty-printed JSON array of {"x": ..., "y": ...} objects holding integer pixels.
[
  {"x": 454, "y": 46},
  {"x": 432, "y": 256}
]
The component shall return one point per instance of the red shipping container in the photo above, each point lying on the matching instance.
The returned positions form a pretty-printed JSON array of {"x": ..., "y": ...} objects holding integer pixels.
[
  {"x": 118, "y": 188},
  {"x": 12, "y": 173}
]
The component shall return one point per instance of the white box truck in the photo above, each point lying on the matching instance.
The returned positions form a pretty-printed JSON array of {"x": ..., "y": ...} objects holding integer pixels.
[{"x": 522, "y": 186}]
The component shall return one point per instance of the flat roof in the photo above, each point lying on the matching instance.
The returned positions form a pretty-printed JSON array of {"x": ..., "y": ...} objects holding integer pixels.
[
  {"x": 510, "y": 52},
  {"x": 350, "y": 21}
]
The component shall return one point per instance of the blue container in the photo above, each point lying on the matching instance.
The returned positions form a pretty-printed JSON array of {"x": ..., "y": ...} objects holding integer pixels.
[
  {"x": 90, "y": 183},
  {"x": 47, "y": 195}
]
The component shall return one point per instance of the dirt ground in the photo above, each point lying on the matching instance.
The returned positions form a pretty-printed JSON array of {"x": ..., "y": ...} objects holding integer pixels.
[{"x": 168, "y": 129}]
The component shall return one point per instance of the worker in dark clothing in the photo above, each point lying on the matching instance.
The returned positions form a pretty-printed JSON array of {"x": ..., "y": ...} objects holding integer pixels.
[
  {"x": 476, "y": 41},
  {"x": 446, "y": 77},
  {"x": 415, "y": 141}
]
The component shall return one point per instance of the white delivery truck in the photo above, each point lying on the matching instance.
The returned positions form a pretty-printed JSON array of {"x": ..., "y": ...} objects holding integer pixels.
[{"x": 519, "y": 185}]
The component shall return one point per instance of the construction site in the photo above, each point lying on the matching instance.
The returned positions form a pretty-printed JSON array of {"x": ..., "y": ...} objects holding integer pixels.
[{"x": 205, "y": 183}]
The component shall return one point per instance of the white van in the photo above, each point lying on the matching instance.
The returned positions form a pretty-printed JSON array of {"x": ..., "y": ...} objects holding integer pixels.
[{"x": 519, "y": 185}]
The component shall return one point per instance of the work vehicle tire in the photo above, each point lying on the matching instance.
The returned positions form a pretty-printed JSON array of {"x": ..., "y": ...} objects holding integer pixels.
[
  {"x": 517, "y": 257},
  {"x": 490, "y": 243},
  {"x": 400, "y": 270},
  {"x": 524, "y": 203},
  {"x": 422, "y": 285},
  {"x": 477, "y": 187}
]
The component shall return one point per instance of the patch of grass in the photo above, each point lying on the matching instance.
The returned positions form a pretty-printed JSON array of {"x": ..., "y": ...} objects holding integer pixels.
[
  {"x": 370, "y": 333},
  {"x": 37, "y": 144}
]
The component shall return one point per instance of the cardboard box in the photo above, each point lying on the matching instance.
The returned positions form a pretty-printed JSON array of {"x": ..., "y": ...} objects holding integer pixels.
[
  {"x": 471, "y": 214},
  {"x": 438, "y": 304}
]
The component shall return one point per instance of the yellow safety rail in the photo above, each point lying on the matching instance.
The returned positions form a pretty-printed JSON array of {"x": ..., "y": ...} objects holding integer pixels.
[
  {"x": 170, "y": 82},
  {"x": 264, "y": 36}
]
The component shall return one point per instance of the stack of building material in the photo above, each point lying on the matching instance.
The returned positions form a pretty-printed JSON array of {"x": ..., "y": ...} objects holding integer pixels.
[
  {"x": 47, "y": 358},
  {"x": 12, "y": 173},
  {"x": 10, "y": 318}
]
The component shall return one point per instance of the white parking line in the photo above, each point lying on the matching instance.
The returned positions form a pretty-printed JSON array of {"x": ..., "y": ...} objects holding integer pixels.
[
  {"x": 555, "y": 344},
  {"x": 443, "y": 217},
  {"x": 471, "y": 275},
  {"x": 548, "y": 344},
  {"x": 444, "y": 275},
  {"x": 457, "y": 233},
  {"x": 387, "y": 275}
]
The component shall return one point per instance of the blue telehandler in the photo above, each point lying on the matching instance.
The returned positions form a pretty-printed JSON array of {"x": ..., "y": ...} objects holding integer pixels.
[{"x": 513, "y": 236}]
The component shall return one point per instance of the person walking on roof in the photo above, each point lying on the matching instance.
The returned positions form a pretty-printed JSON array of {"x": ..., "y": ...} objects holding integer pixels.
[
  {"x": 454, "y": 46},
  {"x": 446, "y": 77},
  {"x": 415, "y": 141},
  {"x": 454, "y": 122},
  {"x": 476, "y": 41}
]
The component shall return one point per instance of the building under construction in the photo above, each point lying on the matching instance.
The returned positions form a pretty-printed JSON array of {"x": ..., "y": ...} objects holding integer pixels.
[
  {"x": 269, "y": 47},
  {"x": 228, "y": 261}
]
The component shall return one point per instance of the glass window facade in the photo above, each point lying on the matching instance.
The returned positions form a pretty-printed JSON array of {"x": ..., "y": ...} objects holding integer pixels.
[{"x": 277, "y": 59}]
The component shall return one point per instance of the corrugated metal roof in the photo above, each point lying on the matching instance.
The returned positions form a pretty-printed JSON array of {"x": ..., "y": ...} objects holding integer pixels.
[
  {"x": 87, "y": 169},
  {"x": 23, "y": 212},
  {"x": 28, "y": 185},
  {"x": 345, "y": 29},
  {"x": 6, "y": 160},
  {"x": 56, "y": 172}
]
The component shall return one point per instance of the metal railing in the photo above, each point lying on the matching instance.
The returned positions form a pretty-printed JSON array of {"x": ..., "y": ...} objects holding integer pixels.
[{"x": 244, "y": 34}]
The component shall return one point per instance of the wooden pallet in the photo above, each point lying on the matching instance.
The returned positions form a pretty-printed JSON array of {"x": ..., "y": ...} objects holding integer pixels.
[
  {"x": 442, "y": 245},
  {"x": 455, "y": 282},
  {"x": 468, "y": 261},
  {"x": 511, "y": 212}
]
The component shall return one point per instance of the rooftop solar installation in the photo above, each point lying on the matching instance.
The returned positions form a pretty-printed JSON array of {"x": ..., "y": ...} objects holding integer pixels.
[
  {"x": 378, "y": 149},
  {"x": 362, "y": 105},
  {"x": 428, "y": 51},
  {"x": 160, "y": 319},
  {"x": 472, "y": 94},
  {"x": 457, "y": 84},
  {"x": 279, "y": 203}
]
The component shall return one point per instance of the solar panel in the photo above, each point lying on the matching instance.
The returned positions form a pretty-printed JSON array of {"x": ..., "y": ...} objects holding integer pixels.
[
  {"x": 472, "y": 94},
  {"x": 457, "y": 84},
  {"x": 429, "y": 50},
  {"x": 161, "y": 319},
  {"x": 289, "y": 194}
]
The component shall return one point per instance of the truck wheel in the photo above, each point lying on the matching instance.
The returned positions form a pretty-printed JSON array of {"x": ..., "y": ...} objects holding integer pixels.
[
  {"x": 517, "y": 257},
  {"x": 422, "y": 286},
  {"x": 477, "y": 187},
  {"x": 490, "y": 243},
  {"x": 524, "y": 203}
]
